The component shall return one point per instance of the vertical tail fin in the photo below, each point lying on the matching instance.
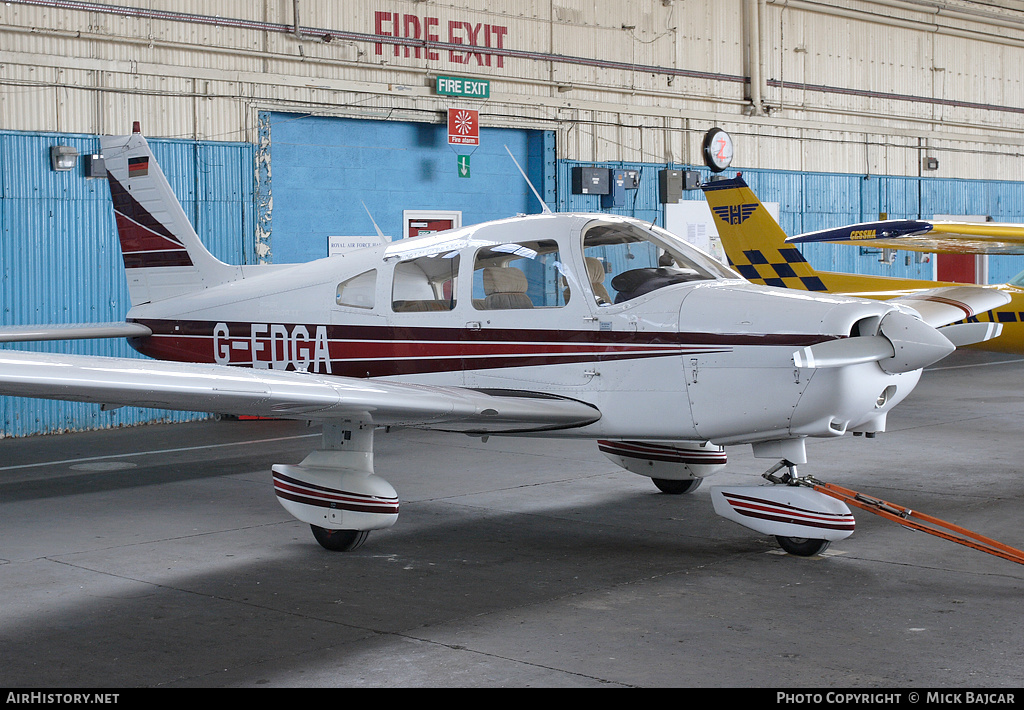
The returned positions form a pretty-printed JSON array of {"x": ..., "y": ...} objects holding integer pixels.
[
  {"x": 754, "y": 241},
  {"x": 163, "y": 255}
]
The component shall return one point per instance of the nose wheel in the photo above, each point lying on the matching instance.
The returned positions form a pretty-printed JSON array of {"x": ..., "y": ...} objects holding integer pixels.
[{"x": 798, "y": 546}]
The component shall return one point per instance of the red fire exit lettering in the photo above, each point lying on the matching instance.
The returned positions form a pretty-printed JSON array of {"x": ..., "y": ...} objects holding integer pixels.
[{"x": 477, "y": 38}]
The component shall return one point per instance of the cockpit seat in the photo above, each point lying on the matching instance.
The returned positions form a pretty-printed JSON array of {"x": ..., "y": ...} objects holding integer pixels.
[{"x": 505, "y": 288}]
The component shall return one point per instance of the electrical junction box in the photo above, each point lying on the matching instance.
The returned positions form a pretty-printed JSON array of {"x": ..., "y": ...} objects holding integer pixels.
[
  {"x": 670, "y": 185},
  {"x": 622, "y": 180},
  {"x": 94, "y": 166},
  {"x": 591, "y": 181}
]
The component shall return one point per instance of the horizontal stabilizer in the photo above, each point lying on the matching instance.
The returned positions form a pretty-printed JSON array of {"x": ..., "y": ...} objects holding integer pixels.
[
  {"x": 72, "y": 331},
  {"x": 950, "y": 304},
  {"x": 282, "y": 394}
]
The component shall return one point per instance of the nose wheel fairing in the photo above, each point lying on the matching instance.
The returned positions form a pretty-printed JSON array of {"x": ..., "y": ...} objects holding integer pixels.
[
  {"x": 804, "y": 521},
  {"x": 784, "y": 511}
]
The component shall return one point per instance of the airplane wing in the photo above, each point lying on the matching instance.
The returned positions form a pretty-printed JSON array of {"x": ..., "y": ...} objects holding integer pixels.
[
  {"x": 72, "y": 331},
  {"x": 950, "y": 304},
  {"x": 282, "y": 394},
  {"x": 924, "y": 236}
]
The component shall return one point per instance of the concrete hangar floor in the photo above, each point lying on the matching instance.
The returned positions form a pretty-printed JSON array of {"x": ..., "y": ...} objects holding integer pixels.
[{"x": 159, "y": 557}]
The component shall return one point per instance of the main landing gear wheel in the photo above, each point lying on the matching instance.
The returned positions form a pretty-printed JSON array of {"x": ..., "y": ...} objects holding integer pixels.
[
  {"x": 339, "y": 540},
  {"x": 802, "y": 546},
  {"x": 688, "y": 485}
]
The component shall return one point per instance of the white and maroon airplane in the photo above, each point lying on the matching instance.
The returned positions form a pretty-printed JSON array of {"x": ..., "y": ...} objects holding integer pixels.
[{"x": 587, "y": 326}]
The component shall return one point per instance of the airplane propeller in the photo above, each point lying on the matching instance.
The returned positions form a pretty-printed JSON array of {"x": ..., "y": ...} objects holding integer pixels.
[
  {"x": 904, "y": 344},
  {"x": 847, "y": 351}
]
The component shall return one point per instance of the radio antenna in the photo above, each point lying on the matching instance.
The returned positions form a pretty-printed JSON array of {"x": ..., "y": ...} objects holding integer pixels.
[
  {"x": 543, "y": 204},
  {"x": 380, "y": 234}
]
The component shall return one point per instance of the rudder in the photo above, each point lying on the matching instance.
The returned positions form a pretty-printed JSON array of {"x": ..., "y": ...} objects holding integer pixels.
[
  {"x": 163, "y": 255},
  {"x": 753, "y": 241}
]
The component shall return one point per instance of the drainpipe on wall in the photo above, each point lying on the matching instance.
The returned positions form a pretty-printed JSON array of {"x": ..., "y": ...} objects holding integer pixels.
[
  {"x": 296, "y": 28},
  {"x": 754, "y": 61},
  {"x": 295, "y": 18}
]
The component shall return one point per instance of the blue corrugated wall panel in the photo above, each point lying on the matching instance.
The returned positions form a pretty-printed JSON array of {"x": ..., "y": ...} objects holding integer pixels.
[
  {"x": 811, "y": 201},
  {"x": 60, "y": 261}
]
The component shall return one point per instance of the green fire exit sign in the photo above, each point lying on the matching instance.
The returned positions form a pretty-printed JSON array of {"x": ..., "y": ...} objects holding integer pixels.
[{"x": 461, "y": 86}]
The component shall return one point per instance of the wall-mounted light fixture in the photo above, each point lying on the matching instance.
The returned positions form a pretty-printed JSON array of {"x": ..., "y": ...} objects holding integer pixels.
[{"x": 63, "y": 157}]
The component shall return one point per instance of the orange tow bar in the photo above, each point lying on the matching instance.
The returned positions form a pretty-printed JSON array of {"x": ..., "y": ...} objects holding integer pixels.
[{"x": 917, "y": 521}]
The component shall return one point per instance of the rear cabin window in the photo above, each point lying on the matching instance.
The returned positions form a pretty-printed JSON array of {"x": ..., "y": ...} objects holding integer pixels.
[
  {"x": 358, "y": 291},
  {"x": 429, "y": 283},
  {"x": 519, "y": 275}
]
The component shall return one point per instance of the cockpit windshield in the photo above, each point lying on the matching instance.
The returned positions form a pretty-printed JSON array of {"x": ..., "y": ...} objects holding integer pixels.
[{"x": 625, "y": 261}]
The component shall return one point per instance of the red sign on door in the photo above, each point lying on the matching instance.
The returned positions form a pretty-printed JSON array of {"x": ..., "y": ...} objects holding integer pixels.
[
  {"x": 420, "y": 227},
  {"x": 463, "y": 126}
]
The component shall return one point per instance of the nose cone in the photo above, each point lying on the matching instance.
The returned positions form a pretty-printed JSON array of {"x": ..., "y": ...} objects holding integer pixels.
[{"x": 916, "y": 343}]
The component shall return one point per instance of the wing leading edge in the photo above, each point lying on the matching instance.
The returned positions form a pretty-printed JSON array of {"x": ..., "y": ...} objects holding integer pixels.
[
  {"x": 282, "y": 394},
  {"x": 72, "y": 331},
  {"x": 925, "y": 236}
]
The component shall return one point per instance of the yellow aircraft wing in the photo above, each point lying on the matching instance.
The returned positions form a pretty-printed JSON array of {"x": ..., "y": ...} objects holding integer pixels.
[{"x": 925, "y": 236}]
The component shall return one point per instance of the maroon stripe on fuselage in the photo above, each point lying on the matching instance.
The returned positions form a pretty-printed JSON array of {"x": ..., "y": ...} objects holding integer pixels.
[
  {"x": 378, "y": 351},
  {"x": 428, "y": 334}
]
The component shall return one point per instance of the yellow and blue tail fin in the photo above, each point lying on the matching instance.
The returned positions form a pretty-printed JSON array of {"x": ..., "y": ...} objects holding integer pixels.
[{"x": 753, "y": 241}]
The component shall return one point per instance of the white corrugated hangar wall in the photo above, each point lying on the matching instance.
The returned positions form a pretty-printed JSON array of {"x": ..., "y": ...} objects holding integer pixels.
[{"x": 840, "y": 111}]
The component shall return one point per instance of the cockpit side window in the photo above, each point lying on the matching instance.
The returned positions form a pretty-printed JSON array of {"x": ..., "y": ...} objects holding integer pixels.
[
  {"x": 625, "y": 261},
  {"x": 429, "y": 283},
  {"x": 519, "y": 275}
]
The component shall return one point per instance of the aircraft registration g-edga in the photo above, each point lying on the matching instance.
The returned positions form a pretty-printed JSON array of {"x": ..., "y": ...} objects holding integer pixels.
[
  {"x": 760, "y": 250},
  {"x": 500, "y": 328}
]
